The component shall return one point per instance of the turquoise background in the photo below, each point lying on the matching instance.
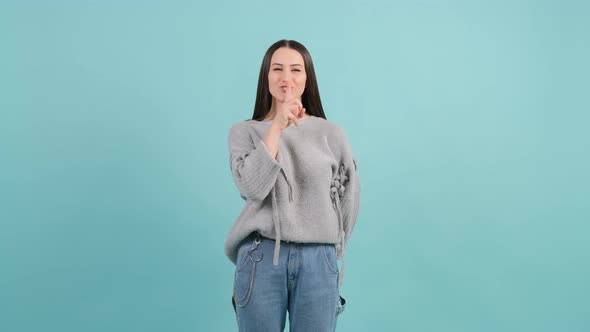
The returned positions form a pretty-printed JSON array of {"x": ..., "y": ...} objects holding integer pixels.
[{"x": 469, "y": 120}]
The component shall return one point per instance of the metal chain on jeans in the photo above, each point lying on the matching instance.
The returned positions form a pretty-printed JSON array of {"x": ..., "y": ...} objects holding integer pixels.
[{"x": 255, "y": 256}]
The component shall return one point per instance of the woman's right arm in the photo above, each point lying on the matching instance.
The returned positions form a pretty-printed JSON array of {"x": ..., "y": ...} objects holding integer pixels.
[
  {"x": 253, "y": 165},
  {"x": 272, "y": 139},
  {"x": 253, "y": 161}
]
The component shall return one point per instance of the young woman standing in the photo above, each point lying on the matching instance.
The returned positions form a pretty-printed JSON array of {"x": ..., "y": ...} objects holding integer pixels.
[{"x": 298, "y": 175}]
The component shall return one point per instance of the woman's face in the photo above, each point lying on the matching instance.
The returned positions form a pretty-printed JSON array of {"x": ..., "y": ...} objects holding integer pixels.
[{"x": 287, "y": 71}]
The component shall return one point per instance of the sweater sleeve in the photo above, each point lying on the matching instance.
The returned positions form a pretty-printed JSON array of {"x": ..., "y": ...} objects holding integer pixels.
[
  {"x": 253, "y": 168},
  {"x": 350, "y": 202}
]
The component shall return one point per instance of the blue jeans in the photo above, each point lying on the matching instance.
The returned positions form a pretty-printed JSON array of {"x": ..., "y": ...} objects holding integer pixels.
[{"x": 305, "y": 283}]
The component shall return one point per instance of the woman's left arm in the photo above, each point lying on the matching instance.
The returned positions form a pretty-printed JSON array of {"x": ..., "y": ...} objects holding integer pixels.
[{"x": 350, "y": 202}]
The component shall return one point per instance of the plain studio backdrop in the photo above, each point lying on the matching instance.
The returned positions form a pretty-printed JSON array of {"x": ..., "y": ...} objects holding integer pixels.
[{"x": 469, "y": 120}]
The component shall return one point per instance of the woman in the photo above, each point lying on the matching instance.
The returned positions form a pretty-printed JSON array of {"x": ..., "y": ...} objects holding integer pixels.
[{"x": 297, "y": 173}]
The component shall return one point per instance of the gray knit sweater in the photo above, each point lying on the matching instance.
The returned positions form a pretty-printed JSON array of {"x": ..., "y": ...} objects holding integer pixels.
[{"x": 309, "y": 194}]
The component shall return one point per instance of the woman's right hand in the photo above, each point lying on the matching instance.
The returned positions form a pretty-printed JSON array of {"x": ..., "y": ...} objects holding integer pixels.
[{"x": 289, "y": 111}]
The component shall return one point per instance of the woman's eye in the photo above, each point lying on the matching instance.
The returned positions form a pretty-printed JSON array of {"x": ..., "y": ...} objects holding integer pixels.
[
  {"x": 277, "y": 69},
  {"x": 296, "y": 70}
]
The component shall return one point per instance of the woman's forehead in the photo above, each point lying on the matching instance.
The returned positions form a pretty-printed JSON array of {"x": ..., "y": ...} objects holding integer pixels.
[{"x": 286, "y": 56}]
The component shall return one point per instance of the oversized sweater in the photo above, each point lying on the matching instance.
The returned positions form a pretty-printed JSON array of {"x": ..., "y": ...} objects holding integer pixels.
[{"x": 309, "y": 194}]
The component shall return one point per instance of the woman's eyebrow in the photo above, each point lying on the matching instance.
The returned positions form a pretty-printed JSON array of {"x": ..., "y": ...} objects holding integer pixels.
[{"x": 280, "y": 64}]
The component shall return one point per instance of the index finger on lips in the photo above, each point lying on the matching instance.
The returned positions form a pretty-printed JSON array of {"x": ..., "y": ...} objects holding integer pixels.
[{"x": 289, "y": 94}]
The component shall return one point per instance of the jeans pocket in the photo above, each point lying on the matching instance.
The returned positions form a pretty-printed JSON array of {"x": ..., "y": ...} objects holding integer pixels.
[
  {"x": 244, "y": 283},
  {"x": 341, "y": 305},
  {"x": 242, "y": 258},
  {"x": 330, "y": 257},
  {"x": 244, "y": 276}
]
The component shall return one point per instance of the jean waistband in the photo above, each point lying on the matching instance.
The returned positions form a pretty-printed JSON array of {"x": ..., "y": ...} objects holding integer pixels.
[{"x": 256, "y": 234}]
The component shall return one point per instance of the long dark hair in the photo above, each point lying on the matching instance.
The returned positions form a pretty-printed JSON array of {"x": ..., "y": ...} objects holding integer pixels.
[{"x": 311, "y": 95}]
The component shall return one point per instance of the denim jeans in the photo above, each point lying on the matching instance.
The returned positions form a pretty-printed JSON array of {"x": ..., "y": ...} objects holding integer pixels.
[{"x": 304, "y": 284}]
